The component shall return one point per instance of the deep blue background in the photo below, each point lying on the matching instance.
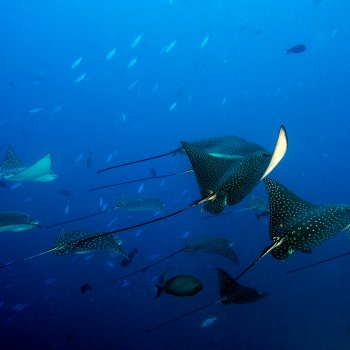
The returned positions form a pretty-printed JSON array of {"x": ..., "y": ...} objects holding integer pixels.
[{"x": 244, "y": 63}]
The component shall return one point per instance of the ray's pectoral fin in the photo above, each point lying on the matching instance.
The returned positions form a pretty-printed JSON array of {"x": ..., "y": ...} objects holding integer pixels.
[
  {"x": 279, "y": 151},
  {"x": 40, "y": 171},
  {"x": 216, "y": 206},
  {"x": 231, "y": 292}
]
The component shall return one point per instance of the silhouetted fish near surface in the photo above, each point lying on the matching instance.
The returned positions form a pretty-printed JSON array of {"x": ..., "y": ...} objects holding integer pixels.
[
  {"x": 214, "y": 245},
  {"x": 11, "y": 168},
  {"x": 296, "y": 49},
  {"x": 85, "y": 288},
  {"x": 181, "y": 285},
  {"x": 16, "y": 221},
  {"x": 259, "y": 206},
  {"x": 133, "y": 203},
  {"x": 231, "y": 292},
  {"x": 130, "y": 256},
  {"x": 301, "y": 224}
]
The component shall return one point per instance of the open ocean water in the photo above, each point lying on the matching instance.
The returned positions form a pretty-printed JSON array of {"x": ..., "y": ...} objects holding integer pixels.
[{"x": 99, "y": 83}]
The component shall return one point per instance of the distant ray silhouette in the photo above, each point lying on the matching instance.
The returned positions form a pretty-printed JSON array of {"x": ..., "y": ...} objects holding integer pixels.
[
  {"x": 231, "y": 292},
  {"x": 212, "y": 245}
]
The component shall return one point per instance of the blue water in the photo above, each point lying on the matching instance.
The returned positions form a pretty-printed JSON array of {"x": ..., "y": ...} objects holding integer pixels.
[{"x": 241, "y": 83}]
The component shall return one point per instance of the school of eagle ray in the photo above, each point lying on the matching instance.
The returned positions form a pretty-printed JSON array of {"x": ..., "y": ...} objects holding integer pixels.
[{"x": 227, "y": 169}]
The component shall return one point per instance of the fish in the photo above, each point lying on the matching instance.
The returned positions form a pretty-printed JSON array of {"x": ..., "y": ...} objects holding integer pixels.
[
  {"x": 35, "y": 110},
  {"x": 131, "y": 203},
  {"x": 85, "y": 288},
  {"x": 259, "y": 206},
  {"x": 230, "y": 291},
  {"x": 64, "y": 192},
  {"x": 172, "y": 107},
  {"x": 300, "y": 224},
  {"x": 56, "y": 109},
  {"x": 170, "y": 46},
  {"x": 212, "y": 245},
  {"x": 77, "y": 242},
  {"x": 80, "y": 78},
  {"x": 19, "y": 307},
  {"x": 181, "y": 285},
  {"x": 136, "y": 41},
  {"x": 204, "y": 42},
  {"x": 132, "y": 62},
  {"x": 76, "y": 63},
  {"x": 153, "y": 173},
  {"x": 16, "y": 221},
  {"x": 140, "y": 189},
  {"x": 130, "y": 256},
  {"x": 89, "y": 159},
  {"x": 208, "y": 322},
  {"x": 111, "y": 54},
  {"x": 12, "y": 169},
  {"x": 66, "y": 210},
  {"x": 296, "y": 49}
]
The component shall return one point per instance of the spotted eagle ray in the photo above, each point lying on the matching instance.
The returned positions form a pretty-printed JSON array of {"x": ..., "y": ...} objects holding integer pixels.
[
  {"x": 211, "y": 245},
  {"x": 257, "y": 205},
  {"x": 136, "y": 203},
  {"x": 298, "y": 225},
  {"x": 231, "y": 292},
  {"x": 228, "y": 166},
  {"x": 127, "y": 203},
  {"x": 16, "y": 221},
  {"x": 11, "y": 168},
  {"x": 79, "y": 242},
  {"x": 241, "y": 185},
  {"x": 70, "y": 242}
]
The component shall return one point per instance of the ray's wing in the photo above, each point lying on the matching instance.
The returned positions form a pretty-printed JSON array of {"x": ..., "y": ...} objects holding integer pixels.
[
  {"x": 285, "y": 208},
  {"x": 231, "y": 292},
  {"x": 40, "y": 171},
  {"x": 212, "y": 245},
  {"x": 11, "y": 161}
]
